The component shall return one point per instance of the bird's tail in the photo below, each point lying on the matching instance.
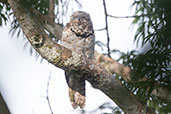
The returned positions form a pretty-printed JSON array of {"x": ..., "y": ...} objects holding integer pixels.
[
  {"x": 76, "y": 98},
  {"x": 76, "y": 86}
]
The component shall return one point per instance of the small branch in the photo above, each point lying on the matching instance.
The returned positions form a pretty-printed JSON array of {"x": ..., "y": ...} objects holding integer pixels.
[
  {"x": 51, "y": 12},
  {"x": 47, "y": 93},
  {"x": 4, "y": 1},
  {"x": 133, "y": 16},
  {"x": 107, "y": 31},
  {"x": 163, "y": 93},
  {"x": 100, "y": 29}
]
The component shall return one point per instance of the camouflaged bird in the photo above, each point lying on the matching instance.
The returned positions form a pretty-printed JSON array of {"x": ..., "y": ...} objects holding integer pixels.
[{"x": 78, "y": 36}]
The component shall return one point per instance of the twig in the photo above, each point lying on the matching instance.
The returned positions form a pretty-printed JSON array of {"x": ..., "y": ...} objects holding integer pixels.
[
  {"x": 107, "y": 31},
  {"x": 133, "y": 16},
  {"x": 47, "y": 93},
  {"x": 100, "y": 29}
]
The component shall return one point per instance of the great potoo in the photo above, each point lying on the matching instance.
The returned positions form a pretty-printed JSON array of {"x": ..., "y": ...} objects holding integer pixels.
[{"x": 78, "y": 36}]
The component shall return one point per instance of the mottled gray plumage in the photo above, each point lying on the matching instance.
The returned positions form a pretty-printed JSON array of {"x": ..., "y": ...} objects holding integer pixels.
[{"x": 78, "y": 36}]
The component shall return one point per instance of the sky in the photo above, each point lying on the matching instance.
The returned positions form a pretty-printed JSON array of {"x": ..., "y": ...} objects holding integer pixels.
[{"x": 24, "y": 79}]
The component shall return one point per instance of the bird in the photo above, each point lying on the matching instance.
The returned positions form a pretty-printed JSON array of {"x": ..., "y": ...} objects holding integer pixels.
[{"x": 78, "y": 36}]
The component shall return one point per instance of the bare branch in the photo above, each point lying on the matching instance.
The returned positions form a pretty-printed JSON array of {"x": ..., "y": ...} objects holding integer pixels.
[
  {"x": 47, "y": 94},
  {"x": 107, "y": 31},
  {"x": 51, "y": 13},
  {"x": 163, "y": 93},
  {"x": 4, "y": 1},
  {"x": 100, "y": 29},
  {"x": 133, "y": 16}
]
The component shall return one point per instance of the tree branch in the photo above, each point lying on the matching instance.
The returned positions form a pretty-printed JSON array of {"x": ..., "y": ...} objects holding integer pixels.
[
  {"x": 4, "y": 1},
  {"x": 113, "y": 66},
  {"x": 47, "y": 94},
  {"x": 133, "y": 16},
  {"x": 100, "y": 29},
  {"x": 107, "y": 30},
  {"x": 49, "y": 24},
  {"x": 162, "y": 92},
  {"x": 127, "y": 74},
  {"x": 51, "y": 10}
]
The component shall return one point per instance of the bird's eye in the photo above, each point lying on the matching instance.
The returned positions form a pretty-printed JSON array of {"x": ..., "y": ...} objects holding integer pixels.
[{"x": 79, "y": 19}]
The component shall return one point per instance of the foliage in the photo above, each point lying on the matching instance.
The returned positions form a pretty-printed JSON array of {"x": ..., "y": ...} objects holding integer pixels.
[
  {"x": 40, "y": 5},
  {"x": 154, "y": 29},
  {"x": 153, "y": 62},
  {"x": 4, "y": 13},
  {"x": 104, "y": 108}
]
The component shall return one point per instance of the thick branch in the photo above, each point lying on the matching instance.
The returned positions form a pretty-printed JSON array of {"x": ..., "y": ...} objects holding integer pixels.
[
  {"x": 127, "y": 74},
  {"x": 113, "y": 66},
  {"x": 67, "y": 60}
]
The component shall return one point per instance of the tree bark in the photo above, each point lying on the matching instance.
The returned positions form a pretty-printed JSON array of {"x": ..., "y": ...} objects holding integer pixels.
[
  {"x": 3, "y": 107},
  {"x": 65, "y": 59}
]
